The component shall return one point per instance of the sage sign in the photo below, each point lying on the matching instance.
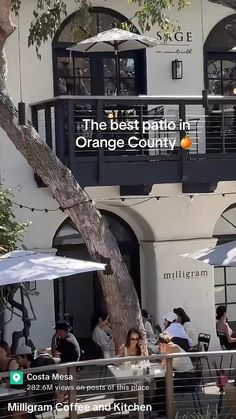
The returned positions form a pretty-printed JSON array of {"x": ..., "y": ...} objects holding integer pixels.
[{"x": 176, "y": 37}]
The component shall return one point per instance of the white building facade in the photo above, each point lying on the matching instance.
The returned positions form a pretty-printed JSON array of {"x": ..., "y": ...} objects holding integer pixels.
[{"x": 152, "y": 233}]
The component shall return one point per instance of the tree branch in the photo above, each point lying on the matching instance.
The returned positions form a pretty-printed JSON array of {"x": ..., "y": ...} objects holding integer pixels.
[{"x": 6, "y": 25}]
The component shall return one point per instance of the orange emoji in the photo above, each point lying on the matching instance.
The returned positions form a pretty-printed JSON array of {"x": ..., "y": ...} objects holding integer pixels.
[{"x": 186, "y": 142}]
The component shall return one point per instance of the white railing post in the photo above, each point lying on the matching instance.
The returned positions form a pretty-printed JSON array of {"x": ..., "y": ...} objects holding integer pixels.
[
  {"x": 169, "y": 389},
  {"x": 72, "y": 396}
]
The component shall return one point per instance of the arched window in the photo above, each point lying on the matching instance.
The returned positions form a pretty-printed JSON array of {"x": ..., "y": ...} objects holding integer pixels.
[
  {"x": 220, "y": 79},
  {"x": 81, "y": 296},
  {"x": 95, "y": 73},
  {"x": 220, "y": 58}
]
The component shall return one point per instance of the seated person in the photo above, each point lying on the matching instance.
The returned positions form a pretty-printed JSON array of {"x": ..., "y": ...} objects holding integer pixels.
[
  {"x": 27, "y": 361},
  {"x": 157, "y": 330},
  {"x": 65, "y": 343},
  {"x": 102, "y": 335},
  {"x": 176, "y": 331},
  {"x": 148, "y": 327},
  {"x": 184, "y": 319},
  {"x": 133, "y": 346},
  {"x": 7, "y": 363},
  {"x": 182, "y": 366},
  {"x": 223, "y": 327}
]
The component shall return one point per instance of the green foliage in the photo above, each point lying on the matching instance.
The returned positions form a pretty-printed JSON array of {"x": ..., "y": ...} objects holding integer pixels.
[
  {"x": 15, "y": 6},
  {"x": 10, "y": 230},
  {"x": 47, "y": 18},
  {"x": 48, "y": 15},
  {"x": 152, "y": 12}
]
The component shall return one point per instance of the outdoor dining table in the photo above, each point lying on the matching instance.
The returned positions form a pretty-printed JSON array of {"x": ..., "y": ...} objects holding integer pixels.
[{"x": 138, "y": 375}]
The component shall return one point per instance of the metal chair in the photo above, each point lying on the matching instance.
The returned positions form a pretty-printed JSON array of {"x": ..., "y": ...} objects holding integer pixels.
[
  {"x": 203, "y": 345},
  {"x": 225, "y": 345}
]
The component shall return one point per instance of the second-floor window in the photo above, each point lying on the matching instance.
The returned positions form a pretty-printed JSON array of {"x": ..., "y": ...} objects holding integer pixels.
[{"x": 95, "y": 73}]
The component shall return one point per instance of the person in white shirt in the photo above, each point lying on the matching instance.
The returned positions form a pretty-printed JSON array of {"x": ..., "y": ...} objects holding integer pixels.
[
  {"x": 184, "y": 319},
  {"x": 176, "y": 330},
  {"x": 102, "y": 335}
]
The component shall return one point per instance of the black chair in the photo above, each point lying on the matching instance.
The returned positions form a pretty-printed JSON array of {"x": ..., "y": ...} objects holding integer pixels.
[
  {"x": 203, "y": 345},
  {"x": 225, "y": 346},
  {"x": 182, "y": 342},
  {"x": 204, "y": 341}
]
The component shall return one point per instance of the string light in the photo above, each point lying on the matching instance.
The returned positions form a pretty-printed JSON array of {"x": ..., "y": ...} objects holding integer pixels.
[
  {"x": 122, "y": 199},
  {"x": 46, "y": 210}
]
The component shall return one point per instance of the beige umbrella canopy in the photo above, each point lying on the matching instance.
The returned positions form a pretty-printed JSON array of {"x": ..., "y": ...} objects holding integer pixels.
[{"x": 114, "y": 40}]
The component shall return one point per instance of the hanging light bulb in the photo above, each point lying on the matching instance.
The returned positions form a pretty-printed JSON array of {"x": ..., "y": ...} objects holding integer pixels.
[
  {"x": 21, "y": 104},
  {"x": 21, "y": 114}
]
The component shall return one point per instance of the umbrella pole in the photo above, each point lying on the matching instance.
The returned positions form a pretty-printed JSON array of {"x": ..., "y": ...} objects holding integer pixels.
[
  {"x": 117, "y": 68},
  {"x": 23, "y": 314}
]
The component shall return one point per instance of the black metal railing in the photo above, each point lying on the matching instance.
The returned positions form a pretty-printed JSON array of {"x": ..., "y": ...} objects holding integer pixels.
[
  {"x": 100, "y": 130},
  {"x": 115, "y": 387}
]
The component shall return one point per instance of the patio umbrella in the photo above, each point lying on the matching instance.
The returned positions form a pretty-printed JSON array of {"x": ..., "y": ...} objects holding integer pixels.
[
  {"x": 222, "y": 255},
  {"x": 114, "y": 40},
  {"x": 26, "y": 266}
]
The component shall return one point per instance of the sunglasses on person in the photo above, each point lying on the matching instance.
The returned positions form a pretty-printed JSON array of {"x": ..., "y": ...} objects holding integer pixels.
[{"x": 134, "y": 339}]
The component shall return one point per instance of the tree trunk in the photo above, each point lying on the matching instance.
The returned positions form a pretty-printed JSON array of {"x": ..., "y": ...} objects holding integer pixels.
[
  {"x": 117, "y": 285},
  {"x": 6, "y": 29},
  {"x": 119, "y": 292}
]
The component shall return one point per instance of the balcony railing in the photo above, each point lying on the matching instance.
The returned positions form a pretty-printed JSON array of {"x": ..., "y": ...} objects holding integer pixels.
[
  {"x": 69, "y": 126},
  {"x": 118, "y": 387}
]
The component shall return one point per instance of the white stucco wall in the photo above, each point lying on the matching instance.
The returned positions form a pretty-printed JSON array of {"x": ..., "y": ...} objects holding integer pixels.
[
  {"x": 194, "y": 294},
  {"x": 155, "y": 223}
]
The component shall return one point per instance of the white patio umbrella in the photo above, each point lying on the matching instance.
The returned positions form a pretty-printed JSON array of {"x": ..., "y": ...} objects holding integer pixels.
[
  {"x": 21, "y": 266},
  {"x": 114, "y": 40},
  {"x": 26, "y": 266},
  {"x": 222, "y": 255}
]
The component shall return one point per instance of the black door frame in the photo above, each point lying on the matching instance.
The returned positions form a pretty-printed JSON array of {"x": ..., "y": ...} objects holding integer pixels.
[{"x": 96, "y": 68}]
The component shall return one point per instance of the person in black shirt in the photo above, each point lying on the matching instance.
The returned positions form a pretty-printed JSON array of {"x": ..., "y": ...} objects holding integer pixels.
[{"x": 65, "y": 343}]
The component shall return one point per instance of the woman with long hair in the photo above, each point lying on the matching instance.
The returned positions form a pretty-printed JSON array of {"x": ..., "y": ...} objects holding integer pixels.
[
  {"x": 102, "y": 334},
  {"x": 184, "y": 319},
  {"x": 223, "y": 326},
  {"x": 134, "y": 345}
]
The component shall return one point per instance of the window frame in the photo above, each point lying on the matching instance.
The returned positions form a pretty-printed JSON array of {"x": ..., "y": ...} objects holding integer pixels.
[
  {"x": 59, "y": 49},
  {"x": 226, "y": 291}
]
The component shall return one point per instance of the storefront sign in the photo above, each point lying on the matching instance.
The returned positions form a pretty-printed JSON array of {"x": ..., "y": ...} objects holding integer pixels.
[
  {"x": 177, "y": 43},
  {"x": 185, "y": 274},
  {"x": 184, "y": 37}
]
